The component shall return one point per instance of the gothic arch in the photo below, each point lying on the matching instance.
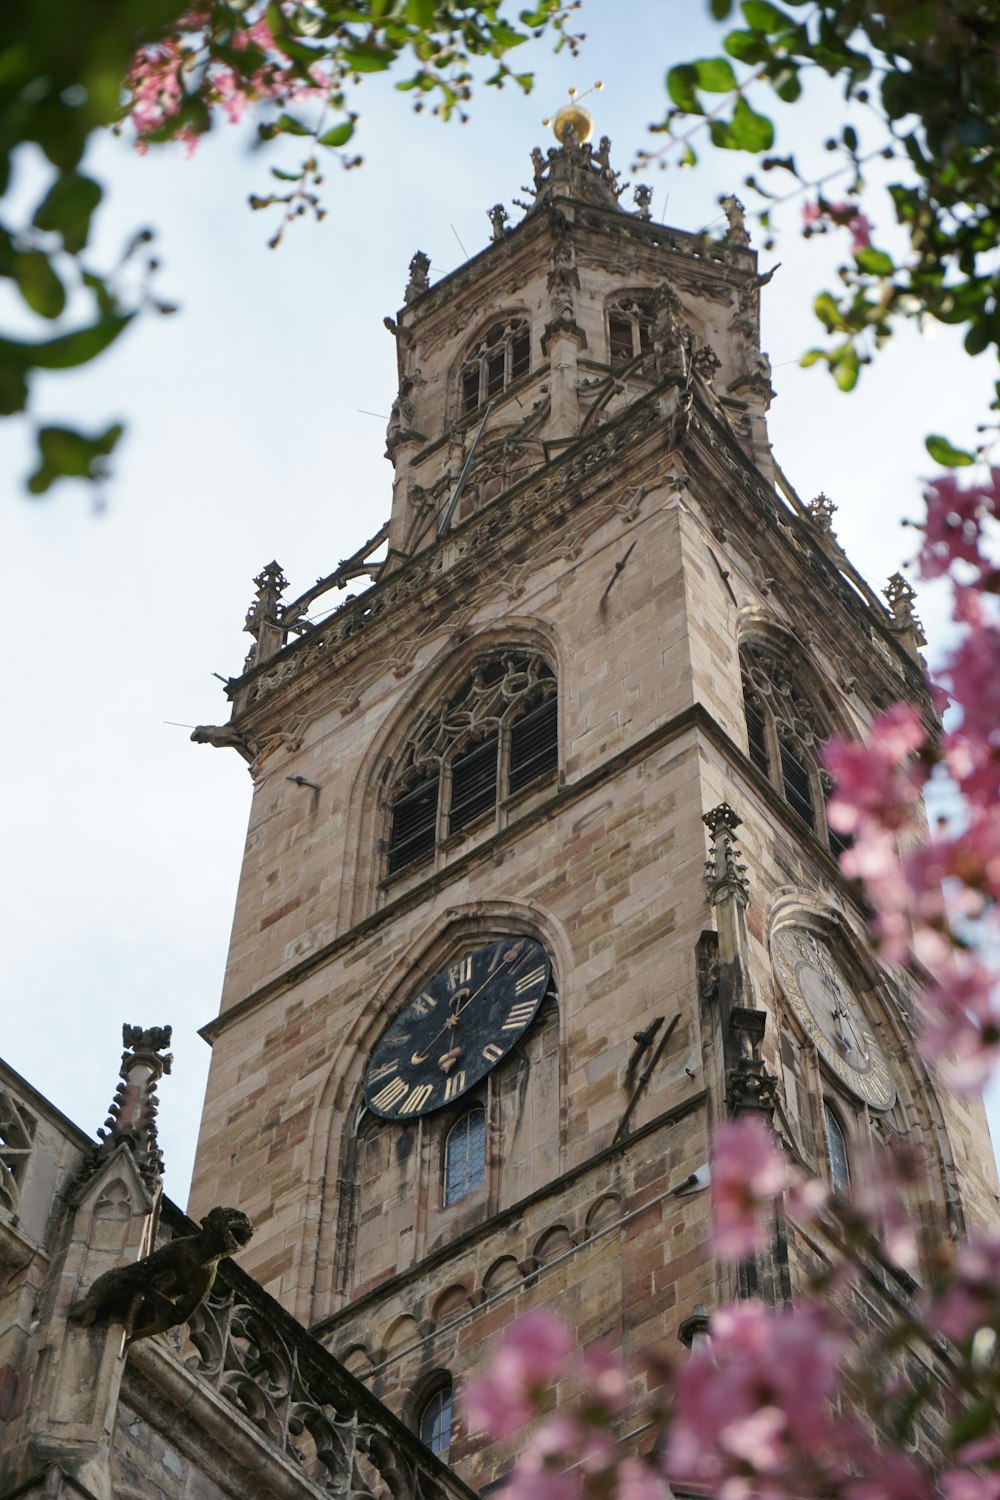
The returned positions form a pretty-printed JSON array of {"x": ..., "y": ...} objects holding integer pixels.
[
  {"x": 334, "y": 1160},
  {"x": 499, "y": 353},
  {"x": 789, "y": 711},
  {"x": 917, "y": 1109},
  {"x": 442, "y": 676}
]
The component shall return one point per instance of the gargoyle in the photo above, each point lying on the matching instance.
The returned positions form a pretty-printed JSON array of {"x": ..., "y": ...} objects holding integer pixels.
[{"x": 171, "y": 1282}]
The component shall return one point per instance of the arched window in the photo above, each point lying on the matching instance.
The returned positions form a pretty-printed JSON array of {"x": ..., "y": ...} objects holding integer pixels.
[
  {"x": 837, "y": 1161},
  {"x": 465, "y": 1156},
  {"x": 495, "y": 737},
  {"x": 434, "y": 1420},
  {"x": 501, "y": 356},
  {"x": 630, "y": 328},
  {"x": 784, "y": 735}
]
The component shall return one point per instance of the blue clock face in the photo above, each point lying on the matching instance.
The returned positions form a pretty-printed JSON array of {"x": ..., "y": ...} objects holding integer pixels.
[{"x": 460, "y": 1025}]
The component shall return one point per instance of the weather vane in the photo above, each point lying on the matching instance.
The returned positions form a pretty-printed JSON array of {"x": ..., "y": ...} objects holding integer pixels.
[{"x": 573, "y": 116}]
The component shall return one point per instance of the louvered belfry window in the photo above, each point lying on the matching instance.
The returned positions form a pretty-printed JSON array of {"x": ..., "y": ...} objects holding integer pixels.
[
  {"x": 630, "y": 327},
  {"x": 494, "y": 738},
  {"x": 502, "y": 355},
  {"x": 784, "y": 737}
]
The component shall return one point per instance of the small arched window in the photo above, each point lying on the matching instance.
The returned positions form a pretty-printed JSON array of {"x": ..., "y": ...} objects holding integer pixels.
[
  {"x": 501, "y": 356},
  {"x": 434, "y": 1420},
  {"x": 784, "y": 736},
  {"x": 465, "y": 1156},
  {"x": 837, "y": 1161},
  {"x": 497, "y": 736},
  {"x": 630, "y": 329}
]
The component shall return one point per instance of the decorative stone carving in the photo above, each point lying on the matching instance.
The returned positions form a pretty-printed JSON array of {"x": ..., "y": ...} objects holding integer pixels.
[
  {"x": 642, "y": 198},
  {"x": 420, "y": 279},
  {"x": 263, "y": 619},
  {"x": 132, "y": 1116},
  {"x": 821, "y": 511},
  {"x": 900, "y": 595},
  {"x": 17, "y": 1131},
  {"x": 724, "y": 874},
  {"x": 499, "y": 218},
  {"x": 749, "y": 1085},
  {"x": 736, "y": 233},
  {"x": 167, "y": 1286}
]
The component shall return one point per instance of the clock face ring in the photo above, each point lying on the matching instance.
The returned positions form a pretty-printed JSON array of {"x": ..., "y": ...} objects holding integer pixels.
[
  {"x": 822, "y": 997},
  {"x": 456, "y": 1028}
]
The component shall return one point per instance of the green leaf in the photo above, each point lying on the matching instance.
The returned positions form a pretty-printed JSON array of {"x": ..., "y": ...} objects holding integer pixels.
[
  {"x": 38, "y": 283},
  {"x": 721, "y": 9},
  {"x": 811, "y": 357},
  {"x": 366, "y": 57},
  {"x": 850, "y": 137},
  {"x": 846, "y": 367},
  {"x": 67, "y": 207},
  {"x": 746, "y": 131},
  {"x": 786, "y": 83},
  {"x": 284, "y": 176},
  {"x": 829, "y": 314},
  {"x": 944, "y": 453},
  {"x": 681, "y": 84},
  {"x": 289, "y": 125},
  {"x": 875, "y": 262},
  {"x": 715, "y": 75},
  {"x": 421, "y": 13},
  {"x": 763, "y": 16},
  {"x": 66, "y": 454},
  {"x": 70, "y": 350},
  {"x": 339, "y": 135},
  {"x": 748, "y": 47}
]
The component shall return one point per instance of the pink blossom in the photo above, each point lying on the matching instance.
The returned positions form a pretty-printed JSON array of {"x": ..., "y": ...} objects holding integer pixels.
[
  {"x": 638, "y": 1481},
  {"x": 877, "y": 779},
  {"x": 757, "y": 1396},
  {"x": 971, "y": 1299},
  {"x": 530, "y": 1357},
  {"x": 812, "y": 213},
  {"x": 748, "y": 1172},
  {"x": 893, "y": 1476},
  {"x": 953, "y": 529},
  {"x": 606, "y": 1377},
  {"x": 963, "y": 1484}
]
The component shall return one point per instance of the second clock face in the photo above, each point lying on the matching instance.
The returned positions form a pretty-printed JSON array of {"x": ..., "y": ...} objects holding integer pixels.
[
  {"x": 460, "y": 1025},
  {"x": 822, "y": 997}
]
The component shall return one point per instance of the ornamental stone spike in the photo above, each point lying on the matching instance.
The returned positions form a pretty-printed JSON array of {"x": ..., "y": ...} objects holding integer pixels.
[
  {"x": 132, "y": 1116},
  {"x": 724, "y": 874}
]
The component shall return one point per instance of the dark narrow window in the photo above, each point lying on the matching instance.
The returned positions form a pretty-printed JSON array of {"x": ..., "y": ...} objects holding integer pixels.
[
  {"x": 414, "y": 824},
  {"x": 434, "y": 1422},
  {"x": 473, "y": 783},
  {"x": 756, "y": 734},
  {"x": 465, "y": 1156},
  {"x": 534, "y": 744},
  {"x": 836, "y": 1151},
  {"x": 520, "y": 355},
  {"x": 839, "y": 842},
  {"x": 470, "y": 388},
  {"x": 620, "y": 339},
  {"x": 502, "y": 356},
  {"x": 796, "y": 783}
]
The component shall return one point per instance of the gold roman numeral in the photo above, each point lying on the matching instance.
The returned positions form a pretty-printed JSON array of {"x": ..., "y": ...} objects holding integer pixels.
[
  {"x": 390, "y": 1095},
  {"x": 519, "y": 1015},
  {"x": 423, "y": 1004},
  {"x": 454, "y": 1085},
  {"x": 460, "y": 973},
  {"x": 492, "y": 1052},
  {"x": 416, "y": 1099},
  {"x": 528, "y": 981},
  {"x": 383, "y": 1071}
]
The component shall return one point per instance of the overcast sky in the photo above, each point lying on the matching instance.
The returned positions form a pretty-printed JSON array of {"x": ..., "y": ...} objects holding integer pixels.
[{"x": 250, "y": 437}]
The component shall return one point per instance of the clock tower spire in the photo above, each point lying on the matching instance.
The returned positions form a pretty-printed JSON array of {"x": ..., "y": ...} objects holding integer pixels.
[{"x": 481, "y": 1010}]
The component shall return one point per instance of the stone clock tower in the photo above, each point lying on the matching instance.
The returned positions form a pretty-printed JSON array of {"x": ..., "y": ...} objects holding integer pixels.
[{"x": 483, "y": 1004}]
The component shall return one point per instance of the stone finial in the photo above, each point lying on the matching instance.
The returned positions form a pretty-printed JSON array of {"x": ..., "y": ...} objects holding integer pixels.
[
  {"x": 900, "y": 594},
  {"x": 420, "y": 279},
  {"x": 695, "y": 1328},
  {"x": 132, "y": 1116},
  {"x": 736, "y": 232},
  {"x": 821, "y": 512},
  {"x": 724, "y": 874},
  {"x": 498, "y": 217},
  {"x": 263, "y": 618},
  {"x": 642, "y": 198}
]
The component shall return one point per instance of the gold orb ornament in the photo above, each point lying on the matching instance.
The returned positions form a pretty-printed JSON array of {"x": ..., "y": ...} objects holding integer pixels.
[{"x": 572, "y": 116}]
